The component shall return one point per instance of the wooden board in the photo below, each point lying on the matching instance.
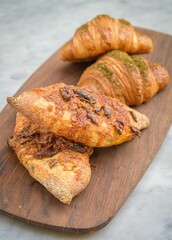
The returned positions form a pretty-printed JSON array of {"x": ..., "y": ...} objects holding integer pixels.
[{"x": 118, "y": 169}]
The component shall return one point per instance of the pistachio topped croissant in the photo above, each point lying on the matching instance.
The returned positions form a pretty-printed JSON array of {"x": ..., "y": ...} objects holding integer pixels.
[
  {"x": 102, "y": 34},
  {"x": 76, "y": 114},
  {"x": 131, "y": 79}
]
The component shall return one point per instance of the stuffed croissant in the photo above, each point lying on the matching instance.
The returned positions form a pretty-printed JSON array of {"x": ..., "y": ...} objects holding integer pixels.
[
  {"x": 60, "y": 165},
  {"x": 81, "y": 116}
]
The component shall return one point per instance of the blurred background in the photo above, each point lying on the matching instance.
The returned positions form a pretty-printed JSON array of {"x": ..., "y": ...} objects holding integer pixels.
[{"x": 31, "y": 31}]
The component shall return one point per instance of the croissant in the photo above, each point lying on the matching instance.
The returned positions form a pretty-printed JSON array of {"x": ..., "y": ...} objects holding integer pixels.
[
  {"x": 76, "y": 114},
  {"x": 102, "y": 34},
  {"x": 60, "y": 165},
  {"x": 131, "y": 79}
]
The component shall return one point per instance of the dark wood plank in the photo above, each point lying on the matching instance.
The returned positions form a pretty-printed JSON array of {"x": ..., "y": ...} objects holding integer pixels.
[{"x": 118, "y": 169}]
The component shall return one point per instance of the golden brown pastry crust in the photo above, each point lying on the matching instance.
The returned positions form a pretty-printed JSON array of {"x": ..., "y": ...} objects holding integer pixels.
[
  {"x": 51, "y": 159},
  {"x": 102, "y": 34},
  {"x": 76, "y": 114},
  {"x": 131, "y": 79}
]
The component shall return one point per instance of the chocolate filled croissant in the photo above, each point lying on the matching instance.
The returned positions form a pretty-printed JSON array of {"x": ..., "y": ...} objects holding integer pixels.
[
  {"x": 102, "y": 34},
  {"x": 131, "y": 79},
  {"x": 60, "y": 165},
  {"x": 76, "y": 114}
]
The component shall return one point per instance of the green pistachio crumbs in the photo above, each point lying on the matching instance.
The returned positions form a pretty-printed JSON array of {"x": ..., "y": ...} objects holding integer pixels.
[
  {"x": 125, "y": 22},
  {"x": 103, "y": 15},
  {"x": 104, "y": 70},
  {"x": 142, "y": 66},
  {"x": 84, "y": 27},
  {"x": 124, "y": 57}
]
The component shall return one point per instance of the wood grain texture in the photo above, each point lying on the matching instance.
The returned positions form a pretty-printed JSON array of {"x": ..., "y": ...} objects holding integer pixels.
[{"x": 117, "y": 169}]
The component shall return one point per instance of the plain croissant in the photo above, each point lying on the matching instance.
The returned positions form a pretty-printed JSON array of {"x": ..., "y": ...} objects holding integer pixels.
[
  {"x": 131, "y": 79},
  {"x": 76, "y": 114},
  {"x": 102, "y": 34}
]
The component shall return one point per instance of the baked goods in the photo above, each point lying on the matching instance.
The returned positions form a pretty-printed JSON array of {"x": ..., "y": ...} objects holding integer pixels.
[
  {"x": 60, "y": 165},
  {"x": 131, "y": 79},
  {"x": 58, "y": 120},
  {"x": 76, "y": 114},
  {"x": 102, "y": 34}
]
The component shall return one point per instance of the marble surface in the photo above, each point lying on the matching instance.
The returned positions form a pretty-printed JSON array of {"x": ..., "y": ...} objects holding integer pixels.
[{"x": 30, "y": 32}]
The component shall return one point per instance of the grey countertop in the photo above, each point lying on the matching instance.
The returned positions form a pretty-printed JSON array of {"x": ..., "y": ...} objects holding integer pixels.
[{"x": 30, "y": 32}]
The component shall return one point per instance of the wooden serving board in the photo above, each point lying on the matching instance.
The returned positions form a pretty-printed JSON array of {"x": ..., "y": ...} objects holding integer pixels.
[{"x": 117, "y": 169}]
